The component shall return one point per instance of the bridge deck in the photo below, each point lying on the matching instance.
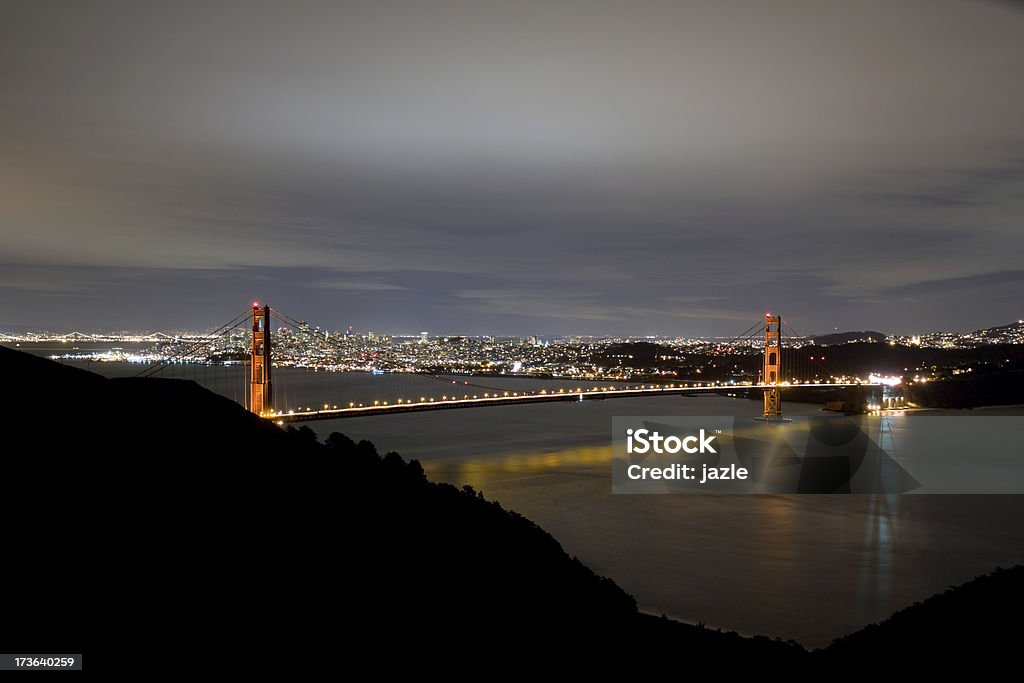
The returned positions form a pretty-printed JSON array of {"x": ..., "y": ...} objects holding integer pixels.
[{"x": 549, "y": 397}]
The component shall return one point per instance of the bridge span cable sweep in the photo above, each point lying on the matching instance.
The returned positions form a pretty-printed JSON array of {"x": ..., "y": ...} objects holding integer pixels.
[
  {"x": 267, "y": 393},
  {"x": 191, "y": 349}
]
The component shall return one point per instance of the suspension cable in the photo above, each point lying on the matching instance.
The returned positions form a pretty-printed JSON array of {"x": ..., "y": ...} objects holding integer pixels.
[{"x": 191, "y": 348}]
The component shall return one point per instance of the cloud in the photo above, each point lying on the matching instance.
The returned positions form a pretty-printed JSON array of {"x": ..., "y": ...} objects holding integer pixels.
[
  {"x": 357, "y": 285},
  {"x": 592, "y": 168},
  {"x": 539, "y": 305},
  {"x": 989, "y": 184}
]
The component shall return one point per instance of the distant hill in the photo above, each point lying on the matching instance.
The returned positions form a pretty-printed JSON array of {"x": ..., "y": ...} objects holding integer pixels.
[
  {"x": 1013, "y": 333},
  {"x": 630, "y": 354},
  {"x": 848, "y": 338},
  {"x": 154, "y": 517}
]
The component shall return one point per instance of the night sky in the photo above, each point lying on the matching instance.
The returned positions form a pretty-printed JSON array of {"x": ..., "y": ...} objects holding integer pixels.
[{"x": 526, "y": 167}]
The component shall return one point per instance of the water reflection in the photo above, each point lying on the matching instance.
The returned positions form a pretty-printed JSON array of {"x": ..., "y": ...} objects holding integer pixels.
[
  {"x": 486, "y": 473},
  {"x": 881, "y": 531}
]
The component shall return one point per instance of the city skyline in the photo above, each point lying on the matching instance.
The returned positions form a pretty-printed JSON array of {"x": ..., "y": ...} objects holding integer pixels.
[
  {"x": 557, "y": 168},
  {"x": 50, "y": 333}
]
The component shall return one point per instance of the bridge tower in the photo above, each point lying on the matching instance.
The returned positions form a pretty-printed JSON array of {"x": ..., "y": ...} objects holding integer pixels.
[
  {"x": 772, "y": 374},
  {"x": 260, "y": 388}
]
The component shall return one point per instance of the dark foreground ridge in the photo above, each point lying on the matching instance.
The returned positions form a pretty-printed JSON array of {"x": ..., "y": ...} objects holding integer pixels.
[{"x": 135, "y": 528}]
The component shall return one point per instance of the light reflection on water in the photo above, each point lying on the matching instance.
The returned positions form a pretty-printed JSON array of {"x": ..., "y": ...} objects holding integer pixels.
[{"x": 880, "y": 528}]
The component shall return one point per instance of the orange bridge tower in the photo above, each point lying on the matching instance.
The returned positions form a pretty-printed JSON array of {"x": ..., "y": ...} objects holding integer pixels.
[
  {"x": 772, "y": 374},
  {"x": 260, "y": 389}
]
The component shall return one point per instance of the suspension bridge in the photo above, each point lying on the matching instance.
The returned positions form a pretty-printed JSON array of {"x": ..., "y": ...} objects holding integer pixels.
[{"x": 259, "y": 395}]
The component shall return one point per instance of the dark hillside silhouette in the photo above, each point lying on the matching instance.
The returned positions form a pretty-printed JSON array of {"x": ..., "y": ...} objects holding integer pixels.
[
  {"x": 979, "y": 620},
  {"x": 153, "y": 513}
]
